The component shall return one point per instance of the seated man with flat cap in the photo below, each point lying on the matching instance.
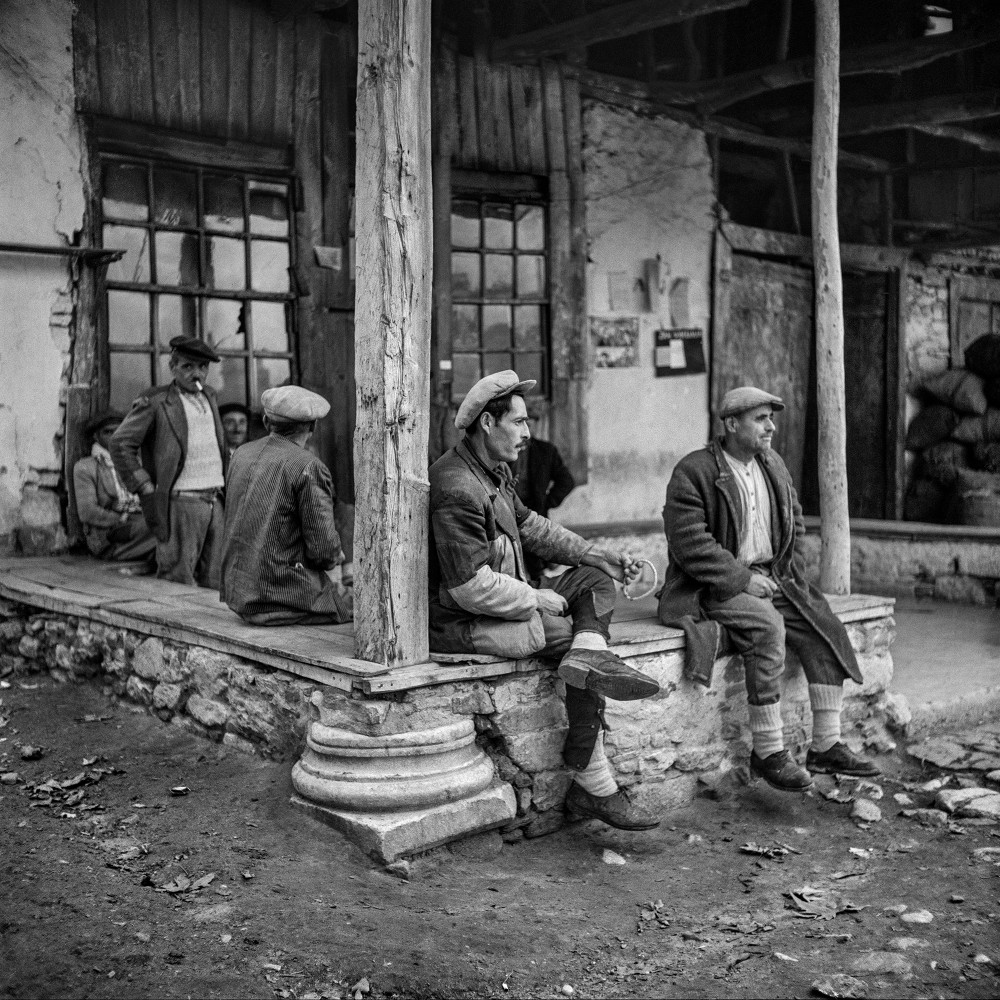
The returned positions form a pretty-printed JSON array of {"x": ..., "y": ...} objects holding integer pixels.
[
  {"x": 281, "y": 539},
  {"x": 170, "y": 450},
  {"x": 734, "y": 525},
  {"x": 113, "y": 525},
  {"x": 481, "y": 600}
]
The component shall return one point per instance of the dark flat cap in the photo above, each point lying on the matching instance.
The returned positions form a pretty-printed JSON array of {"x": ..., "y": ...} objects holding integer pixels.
[
  {"x": 746, "y": 397},
  {"x": 484, "y": 391},
  {"x": 99, "y": 420},
  {"x": 234, "y": 408},
  {"x": 193, "y": 347}
]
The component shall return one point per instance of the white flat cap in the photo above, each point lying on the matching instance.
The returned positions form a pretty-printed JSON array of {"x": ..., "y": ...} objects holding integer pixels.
[
  {"x": 746, "y": 397},
  {"x": 484, "y": 391},
  {"x": 293, "y": 404}
]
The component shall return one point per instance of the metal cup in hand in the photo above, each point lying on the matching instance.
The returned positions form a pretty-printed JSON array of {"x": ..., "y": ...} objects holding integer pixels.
[{"x": 646, "y": 593}]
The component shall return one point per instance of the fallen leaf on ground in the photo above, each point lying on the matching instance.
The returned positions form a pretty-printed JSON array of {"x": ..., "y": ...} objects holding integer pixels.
[
  {"x": 783, "y": 957},
  {"x": 180, "y": 790},
  {"x": 779, "y": 851},
  {"x": 653, "y": 914},
  {"x": 31, "y": 753},
  {"x": 819, "y": 904}
]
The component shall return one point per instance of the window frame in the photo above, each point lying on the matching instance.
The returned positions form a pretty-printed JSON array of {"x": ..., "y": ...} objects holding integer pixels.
[
  {"x": 508, "y": 190},
  {"x": 154, "y": 149}
]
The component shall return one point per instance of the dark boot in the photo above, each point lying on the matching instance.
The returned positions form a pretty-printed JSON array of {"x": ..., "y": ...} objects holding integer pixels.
[
  {"x": 840, "y": 759},
  {"x": 617, "y": 810},
  {"x": 600, "y": 671},
  {"x": 780, "y": 770}
]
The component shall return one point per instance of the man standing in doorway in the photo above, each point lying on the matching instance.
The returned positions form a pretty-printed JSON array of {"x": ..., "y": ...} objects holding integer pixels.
[
  {"x": 170, "y": 450},
  {"x": 482, "y": 602},
  {"x": 734, "y": 524}
]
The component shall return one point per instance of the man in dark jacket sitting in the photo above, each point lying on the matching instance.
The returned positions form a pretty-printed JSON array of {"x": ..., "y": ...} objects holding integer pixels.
[
  {"x": 733, "y": 524},
  {"x": 280, "y": 539},
  {"x": 482, "y": 602}
]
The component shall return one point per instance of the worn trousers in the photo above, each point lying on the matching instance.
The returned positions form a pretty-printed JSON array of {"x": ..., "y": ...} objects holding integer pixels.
[
  {"x": 192, "y": 553},
  {"x": 760, "y": 629},
  {"x": 590, "y": 597}
]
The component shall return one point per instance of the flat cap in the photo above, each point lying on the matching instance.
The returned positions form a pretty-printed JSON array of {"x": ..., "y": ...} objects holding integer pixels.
[
  {"x": 293, "y": 404},
  {"x": 102, "y": 419},
  {"x": 746, "y": 397},
  {"x": 485, "y": 391},
  {"x": 193, "y": 347}
]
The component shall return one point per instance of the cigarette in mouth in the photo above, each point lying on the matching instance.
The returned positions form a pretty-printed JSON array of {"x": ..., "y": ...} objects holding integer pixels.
[{"x": 197, "y": 382}]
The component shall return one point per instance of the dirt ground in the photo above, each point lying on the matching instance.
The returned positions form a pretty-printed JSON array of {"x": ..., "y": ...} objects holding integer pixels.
[{"x": 107, "y": 893}]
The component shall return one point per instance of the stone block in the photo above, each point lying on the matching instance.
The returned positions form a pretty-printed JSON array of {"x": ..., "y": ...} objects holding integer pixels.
[
  {"x": 139, "y": 690},
  {"x": 538, "y": 751},
  {"x": 389, "y": 836},
  {"x": 12, "y": 629},
  {"x": 544, "y": 823},
  {"x": 476, "y": 701},
  {"x": 549, "y": 789},
  {"x": 168, "y": 696},
  {"x": 250, "y": 716},
  {"x": 238, "y": 743},
  {"x": 963, "y": 590},
  {"x": 523, "y": 689},
  {"x": 147, "y": 661},
  {"x": 209, "y": 713},
  {"x": 208, "y": 671},
  {"x": 978, "y": 559},
  {"x": 357, "y": 715},
  {"x": 529, "y": 718},
  {"x": 29, "y": 647}
]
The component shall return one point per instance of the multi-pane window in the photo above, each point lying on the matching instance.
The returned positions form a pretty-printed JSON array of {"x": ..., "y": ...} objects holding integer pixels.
[
  {"x": 208, "y": 254},
  {"x": 499, "y": 290}
]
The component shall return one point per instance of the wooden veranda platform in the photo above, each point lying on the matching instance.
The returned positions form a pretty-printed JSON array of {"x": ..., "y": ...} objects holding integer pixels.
[{"x": 87, "y": 588}]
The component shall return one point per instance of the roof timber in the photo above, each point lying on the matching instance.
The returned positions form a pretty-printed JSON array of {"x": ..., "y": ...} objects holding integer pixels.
[
  {"x": 636, "y": 96},
  {"x": 894, "y": 57},
  {"x": 618, "y": 21},
  {"x": 871, "y": 118},
  {"x": 984, "y": 143}
]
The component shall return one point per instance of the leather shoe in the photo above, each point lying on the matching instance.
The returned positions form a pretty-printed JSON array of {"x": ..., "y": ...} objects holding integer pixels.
[
  {"x": 617, "y": 810},
  {"x": 600, "y": 671},
  {"x": 780, "y": 770},
  {"x": 840, "y": 759}
]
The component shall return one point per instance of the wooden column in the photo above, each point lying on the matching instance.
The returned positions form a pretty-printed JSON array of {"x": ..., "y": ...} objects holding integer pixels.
[
  {"x": 835, "y": 533},
  {"x": 393, "y": 328}
]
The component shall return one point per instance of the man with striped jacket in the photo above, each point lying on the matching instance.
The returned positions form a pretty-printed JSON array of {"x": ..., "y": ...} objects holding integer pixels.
[{"x": 280, "y": 538}]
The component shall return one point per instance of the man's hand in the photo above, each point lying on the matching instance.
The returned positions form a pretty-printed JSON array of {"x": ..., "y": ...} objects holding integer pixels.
[
  {"x": 551, "y": 603},
  {"x": 761, "y": 586},
  {"x": 618, "y": 565}
]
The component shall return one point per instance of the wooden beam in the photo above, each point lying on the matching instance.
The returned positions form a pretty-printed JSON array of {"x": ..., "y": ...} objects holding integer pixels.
[
  {"x": 903, "y": 114},
  {"x": 393, "y": 330},
  {"x": 618, "y": 21},
  {"x": 835, "y": 531},
  {"x": 636, "y": 96},
  {"x": 891, "y": 57},
  {"x": 984, "y": 143}
]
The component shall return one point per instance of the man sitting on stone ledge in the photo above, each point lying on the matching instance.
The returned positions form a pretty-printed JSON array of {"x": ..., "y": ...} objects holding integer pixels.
[
  {"x": 481, "y": 600},
  {"x": 280, "y": 538},
  {"x": 733, "y": 524}
]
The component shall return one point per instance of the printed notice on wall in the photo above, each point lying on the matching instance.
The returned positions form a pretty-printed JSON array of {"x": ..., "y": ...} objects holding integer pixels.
[
  {"x": 678, "y": 352},
  {"x": 616, "y": 342}
]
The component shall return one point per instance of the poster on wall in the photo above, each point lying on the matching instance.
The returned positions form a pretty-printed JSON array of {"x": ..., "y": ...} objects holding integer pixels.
[
  {"x": 678, "y": 351},
  {"x": 616, "y": 342}
]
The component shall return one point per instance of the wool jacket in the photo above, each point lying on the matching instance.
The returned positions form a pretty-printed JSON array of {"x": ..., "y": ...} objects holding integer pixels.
[
  {"x": 150, "y": 445},
  {"x": 480, "y": 597},
  {"x": 702, "y": 518},
  {"x": 280, "y": 536}
]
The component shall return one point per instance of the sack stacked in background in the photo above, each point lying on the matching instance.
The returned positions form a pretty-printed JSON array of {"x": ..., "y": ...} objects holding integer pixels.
[{"x": 957, "y": 437}]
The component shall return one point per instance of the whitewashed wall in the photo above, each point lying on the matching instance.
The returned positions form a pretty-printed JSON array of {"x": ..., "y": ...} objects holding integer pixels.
[
  {"x": 41, "y": 201},
  {"x": 649, "y": 193}
]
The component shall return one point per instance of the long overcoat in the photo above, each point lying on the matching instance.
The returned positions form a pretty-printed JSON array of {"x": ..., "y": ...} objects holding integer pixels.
[
  {"x": 150, "y": 445},
  {"x": 702, "y": 518},
  {"x": 480, "y": 597}
]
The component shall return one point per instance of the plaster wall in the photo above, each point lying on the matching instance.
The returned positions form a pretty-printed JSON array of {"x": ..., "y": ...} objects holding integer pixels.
[
  {"x": 41, "y": 202},
  {"x": 649, "y": 194}
]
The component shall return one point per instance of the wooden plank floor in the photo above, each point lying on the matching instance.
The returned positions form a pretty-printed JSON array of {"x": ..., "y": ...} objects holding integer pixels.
[{"x": 87, "y": 588}]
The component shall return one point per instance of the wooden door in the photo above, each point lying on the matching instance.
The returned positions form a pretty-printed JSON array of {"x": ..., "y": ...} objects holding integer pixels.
[
  {"x": 974, "y": 311},
  {"x": 766, "y": 341}
]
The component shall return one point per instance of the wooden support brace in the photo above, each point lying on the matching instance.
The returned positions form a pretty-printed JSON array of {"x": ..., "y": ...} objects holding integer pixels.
[{"x": 393, "y": 324}]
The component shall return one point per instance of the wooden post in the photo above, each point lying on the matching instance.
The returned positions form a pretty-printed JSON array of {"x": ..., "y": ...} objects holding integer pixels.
[
  {"x": 835, "y": 532},
  {"x": 393, "y": 329}
]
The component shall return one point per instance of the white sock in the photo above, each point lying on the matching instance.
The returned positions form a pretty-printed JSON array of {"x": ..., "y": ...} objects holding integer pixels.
[
  {"x": 766, "y": 729},
  {"x": 589, "y": 640},
  {"x": 596, "y": 777},
  {"x": 826, "y": 701}
]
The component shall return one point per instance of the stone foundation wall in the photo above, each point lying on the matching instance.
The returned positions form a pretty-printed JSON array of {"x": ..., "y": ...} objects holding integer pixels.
[{"x": 662, "y": 746}]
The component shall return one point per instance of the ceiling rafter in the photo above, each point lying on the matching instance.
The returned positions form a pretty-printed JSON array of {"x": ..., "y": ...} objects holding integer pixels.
[
  {"x": 895, "y": 57},
  {"x": 984, "y": 143},
  {"x": 619, "y": 21}
]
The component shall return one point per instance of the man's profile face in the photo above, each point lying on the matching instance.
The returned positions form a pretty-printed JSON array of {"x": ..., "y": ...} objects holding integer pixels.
[
  {"x": 236, "y": 427},
  {"x": 188, "y": 371},
  {"x": 752, "y": 430},
  {"x": 510, "y": 434},
  {"x": 103, "y": 435}
]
